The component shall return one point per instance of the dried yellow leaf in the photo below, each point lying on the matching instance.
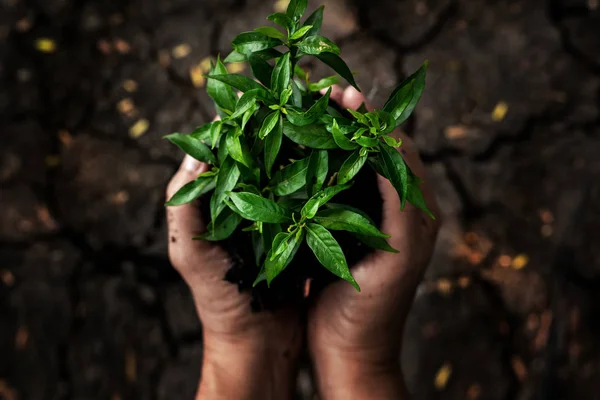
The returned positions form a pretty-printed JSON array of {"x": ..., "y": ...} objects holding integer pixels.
[
  {"x": 235, "y": 68},
  {"x": 45, "y": 45},
  {"x": 520, "y": 261},
  {"x": 205, "y": 64},
  {"x": 181, "y": 50},
  {"x": 197, "y": 76},
  {"x": 139, "y": 128},
  {"x": 499, "y": 111},
  {"x": 281, "y": 5},
  {"x": 442, "y": 376}
]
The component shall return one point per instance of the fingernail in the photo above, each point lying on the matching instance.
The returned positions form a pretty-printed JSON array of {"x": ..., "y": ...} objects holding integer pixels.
[{"x": 191, "y": 164}]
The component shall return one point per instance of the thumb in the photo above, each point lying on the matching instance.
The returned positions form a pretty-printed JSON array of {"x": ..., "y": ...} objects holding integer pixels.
[{"x": 185, "y": 221}]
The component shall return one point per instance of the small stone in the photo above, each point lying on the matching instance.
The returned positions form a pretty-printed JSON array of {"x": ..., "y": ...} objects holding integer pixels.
[
  {"x": 104, "y": 46},
  {"x": 130, "y": 86},
  {"x": 504, "y": 261},
  {"x": 65, "y": 137},
  {"x": 122, "y": 46},
  {"x": 444, "y": 286},
  {"x": 130, "y": 366},
  {"x": 23, "y": 25},
  {"x": 119, "y": 198},
  {"x": 455, "y": 132},
  {"x": 7, "y": 277},
  {"x": 473, "y": 392},
  {"x": 519, "y": 368},
  {"x": 181, "y": 51},
  {"x": 464, "y": 282},
  {"x": 546, "y": 231},
  {"x": 21, "y": 338},
  {"x": 126, "y": 106}
]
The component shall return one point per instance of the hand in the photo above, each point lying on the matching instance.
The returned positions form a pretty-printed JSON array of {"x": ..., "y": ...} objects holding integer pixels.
[
  {"x": 354, "y": 338},
  {"x": 246, "y": 355}
]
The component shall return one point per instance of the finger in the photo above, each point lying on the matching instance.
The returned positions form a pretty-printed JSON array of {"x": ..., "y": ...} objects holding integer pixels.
[
  {"x": 337, "y": 93},
  {"x": 185, "y": 221},
  {"x": 353, "y": 99}
]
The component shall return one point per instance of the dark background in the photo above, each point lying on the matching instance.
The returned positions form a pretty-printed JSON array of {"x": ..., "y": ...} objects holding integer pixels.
[{"x": 509, "y": 128}]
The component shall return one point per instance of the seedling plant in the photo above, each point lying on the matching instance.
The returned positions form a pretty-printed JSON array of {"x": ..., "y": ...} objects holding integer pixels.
[{"x": 278, "y": 200}]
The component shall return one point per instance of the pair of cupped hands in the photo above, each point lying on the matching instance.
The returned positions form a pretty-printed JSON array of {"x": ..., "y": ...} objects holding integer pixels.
[{"x": 353, "y": 338}]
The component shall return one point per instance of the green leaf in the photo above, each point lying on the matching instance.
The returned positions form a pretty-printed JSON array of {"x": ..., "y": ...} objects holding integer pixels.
[
  {"x": 252, "y": 42},
  {"x": 285, "y": 96},
  {"x": 272, "y": 146},
  {"x": 270, "y": 32},
  {"x": 248, "y": 114},
  {"x": 299, "y": 72},
  {"x": 351, "y": 167},
  {"x": 344, "y": 220},
  {"x": 313, "y": 136},
  {"x": 237, "y": 149},
  {"x": 324, "y": 83},
  {"x": 245, "y": 102},
  {"x": 315, "y": 45},
  {"x": 367, "y": 141},
  {"x": 310, "y": 208},
  {"x": 329, "y": 192},
  {"x": 215, "y": 133},
  {"x": 282, "y": 20},
  {"x": 193, "y": 147},
  {"x": 328, "y": 252},
  {"x": 280, "y": 79},
  {"x": 339, "y": 66},
  {"x": 414, "y": 195},
  {"x": 222, "y": 152},
  {"x": 288, "y": 247},
  {"x": 296, "y": 9},
  {"x": 202, "y": 133},
  {"x": 235, "y": 57},
  {"x": 269, "y": 124},
  {"x": 222, "y": 94},
  {"x": 340, "y": 139},
  {"x": 240, "y": 82},
  {"x": 360, "y": 117},
  {"x": 222, "y": 227},
  {"x": 291, "y": 178},
  {"x": 390, "y": 141},
  {"x": 316, "y": 173},
  {"x": 261, "y": 69},
  {"x": 405, "y": 97},
  {"x": 301, "y": 32},
  {"x": 395, "y": 170},
  {"x": 296, "y": 94},
  {"x": 371, "y": 241},
  {"x": 316, "y": 21},
  {"x": 194, "y": 189},
  {"x": 256, "y": 208},
  {"x": 312, "y": 114},
  {"x": 228, "y": 177}
]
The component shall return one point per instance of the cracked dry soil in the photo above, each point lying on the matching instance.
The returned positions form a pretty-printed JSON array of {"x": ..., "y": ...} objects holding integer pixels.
[{"x": 509, "y": 128}]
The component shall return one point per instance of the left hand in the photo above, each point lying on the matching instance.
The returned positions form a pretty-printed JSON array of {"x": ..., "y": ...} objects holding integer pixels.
[{"x": 246, "y": 355}]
